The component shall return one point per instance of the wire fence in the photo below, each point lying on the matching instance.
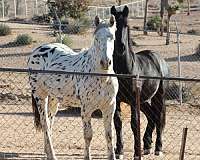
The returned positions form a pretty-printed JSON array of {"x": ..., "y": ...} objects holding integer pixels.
[
  {"x": 22, "y": 8},
  {"x": 136, "y": 10},
  {"x": 28, "y": 8},
  {"x": 20, "y": 140}
]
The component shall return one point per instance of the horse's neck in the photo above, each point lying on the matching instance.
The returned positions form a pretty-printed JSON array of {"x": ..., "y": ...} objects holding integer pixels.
[
  {"x": 92, "y": 60},
  {"x": 130, "y": 55}
]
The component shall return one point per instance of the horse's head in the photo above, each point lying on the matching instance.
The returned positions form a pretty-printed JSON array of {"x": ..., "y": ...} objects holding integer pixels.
[
  {"x": 104, "y": 37},
  {"x": 122, "y": 30}
]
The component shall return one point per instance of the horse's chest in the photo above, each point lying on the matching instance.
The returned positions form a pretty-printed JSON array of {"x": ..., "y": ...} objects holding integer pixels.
[{"x": 97, "y": 91}]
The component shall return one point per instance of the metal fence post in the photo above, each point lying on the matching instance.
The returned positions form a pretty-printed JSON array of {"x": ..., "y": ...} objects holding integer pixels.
[
  {"x": 182, "y": 151},
  {"x": 179, "y": 63},
  {"x": 3, "y": 9},
  {"x": 15, "y": 9},
  {"x": 138, "y": 88},
  {"x": 25, "y": 8},
  {"x": 36, "y": 7}
]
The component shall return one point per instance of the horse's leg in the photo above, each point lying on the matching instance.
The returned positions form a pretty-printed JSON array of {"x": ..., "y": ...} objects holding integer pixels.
[
  {"x": 118, "y": 127},
  {"x": 42, "y": 104},
  {"x": 160, "y": 117},
  {"x": 47, "y": 131},
  {"x": 87, "y": 128},
  {"x": 134, "y": 127},
  {"x": 53, "y": 105},
  {"x": 108, "y": 117},
  {"x": 147, "y": 139},
  {"x": 52, "y": 110}
]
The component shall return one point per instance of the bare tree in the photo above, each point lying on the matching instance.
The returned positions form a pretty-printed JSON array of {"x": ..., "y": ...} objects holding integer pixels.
[
  {"x": 188, "y": 3},
  {"x": 171, "y": 10},
  {"x": 163, "y": 6},
  {"x": 145, "y": 18}
]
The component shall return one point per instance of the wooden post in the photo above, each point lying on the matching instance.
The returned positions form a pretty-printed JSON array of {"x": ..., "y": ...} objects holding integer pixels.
[
  {"x": 183, "y": 143},
  {"x": 60, "y": 25},
  {"x": 145, "y": 18},
  {"x": 168, "y": 30},
  {"x": 138, "y": 88}
]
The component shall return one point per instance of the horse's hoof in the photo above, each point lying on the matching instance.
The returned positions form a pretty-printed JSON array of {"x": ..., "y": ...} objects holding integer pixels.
[
  {"x": 119, "y": 156},
  {"x": 158, "y": 153},
  {"x": 147, "y": 151}
]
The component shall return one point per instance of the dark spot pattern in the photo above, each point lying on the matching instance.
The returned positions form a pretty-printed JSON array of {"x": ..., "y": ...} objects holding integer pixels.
[
  {"x": 74, "y": 89},
  {"x": 43, "y": 49}
]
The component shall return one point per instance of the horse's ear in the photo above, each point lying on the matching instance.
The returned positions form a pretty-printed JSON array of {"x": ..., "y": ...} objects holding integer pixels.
[
  {"x": 112, "y": 20},
  {"x": 96, "y": 21},
  {"x": 113, "y": 10},
  {"x": 125, "y": 11}
]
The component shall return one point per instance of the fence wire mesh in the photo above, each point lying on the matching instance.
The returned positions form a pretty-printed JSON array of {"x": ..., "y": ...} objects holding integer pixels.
[{"x": 19, "y": 139}]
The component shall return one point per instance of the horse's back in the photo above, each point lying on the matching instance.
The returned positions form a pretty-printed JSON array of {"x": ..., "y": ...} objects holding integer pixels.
[
  {"x": 57, "y": 57},
  {"x": 50, "y": 57},
  {"x": 152, "y": 60}
]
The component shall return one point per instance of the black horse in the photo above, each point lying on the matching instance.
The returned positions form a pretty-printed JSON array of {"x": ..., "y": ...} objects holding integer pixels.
[{"x": 146, "y": 63}]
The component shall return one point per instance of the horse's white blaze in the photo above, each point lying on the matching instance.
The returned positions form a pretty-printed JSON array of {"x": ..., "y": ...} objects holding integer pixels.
[{"x": 56, "y": 91}]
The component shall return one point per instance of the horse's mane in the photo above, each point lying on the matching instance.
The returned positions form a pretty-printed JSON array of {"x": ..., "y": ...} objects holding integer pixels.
[{"x": 129, "y": 40}]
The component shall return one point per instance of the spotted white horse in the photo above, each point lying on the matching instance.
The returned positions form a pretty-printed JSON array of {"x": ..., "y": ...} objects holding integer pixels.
[{"x": 53, "y": 92}]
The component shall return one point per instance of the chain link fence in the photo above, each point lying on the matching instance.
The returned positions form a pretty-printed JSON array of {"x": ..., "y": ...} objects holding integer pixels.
[
  {"x": 19, "y": 140},
  {"x": 10, "y": 9},
  {"x": 22, "y": 8},
  {"x": 136, "y": 10}
]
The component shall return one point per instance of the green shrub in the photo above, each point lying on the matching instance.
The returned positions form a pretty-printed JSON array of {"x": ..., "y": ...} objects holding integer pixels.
[
  {"x": 73, "y": 26},
  {"x": 23, "y": 39},
  {"x": 65, "y": 40},
  {"x": 83, "y": 23},
  {"x": 4, "y": 30},
  {"x": 70, "y": 8},
  {"x": 154, "y": 23}
]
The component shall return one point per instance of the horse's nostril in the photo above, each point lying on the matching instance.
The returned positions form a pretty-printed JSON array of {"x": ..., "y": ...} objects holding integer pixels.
[{"x": 109, "y": 62}]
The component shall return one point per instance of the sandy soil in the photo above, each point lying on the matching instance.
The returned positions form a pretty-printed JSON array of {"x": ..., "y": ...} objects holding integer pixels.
[{"x": 19, "y": 139}]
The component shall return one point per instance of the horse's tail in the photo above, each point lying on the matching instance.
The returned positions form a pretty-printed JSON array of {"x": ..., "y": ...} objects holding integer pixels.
[{"x": 36, "y": 113}]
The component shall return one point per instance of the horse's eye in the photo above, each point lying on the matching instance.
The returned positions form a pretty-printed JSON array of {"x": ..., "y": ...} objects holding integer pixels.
[{"x": 110, "y": 38}]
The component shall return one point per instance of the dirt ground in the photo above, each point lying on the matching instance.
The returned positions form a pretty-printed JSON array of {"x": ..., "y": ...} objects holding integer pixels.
[{"x": 19, "y": 139}]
